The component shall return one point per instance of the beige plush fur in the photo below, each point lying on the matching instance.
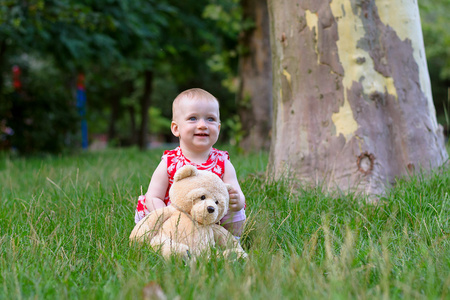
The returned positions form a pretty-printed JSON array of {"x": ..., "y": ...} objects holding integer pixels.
[{"x": 188, "y": 227}]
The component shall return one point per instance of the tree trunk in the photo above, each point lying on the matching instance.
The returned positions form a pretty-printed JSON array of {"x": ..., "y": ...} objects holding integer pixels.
[
  {"x": 3, "y": 48},
  {"x": 255, "y": 91},
  {"x": 145, "y": 105},
  {"x": 352, "y": 97},
  {"x": 133, "y": 132},
  {"x": 115, "y": 109},
  {"x": 118, "y": 110}
]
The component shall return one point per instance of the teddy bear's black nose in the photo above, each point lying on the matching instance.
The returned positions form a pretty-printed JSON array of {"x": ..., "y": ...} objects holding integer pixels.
[{"x": 210, "y": 209}]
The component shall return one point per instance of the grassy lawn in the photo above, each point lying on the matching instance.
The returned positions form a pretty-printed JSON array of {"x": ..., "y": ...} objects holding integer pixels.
[{"x": 65, "y": 221}]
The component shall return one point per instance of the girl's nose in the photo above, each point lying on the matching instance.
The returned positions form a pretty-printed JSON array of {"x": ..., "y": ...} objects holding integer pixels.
[{"x": 201, "y": 124}]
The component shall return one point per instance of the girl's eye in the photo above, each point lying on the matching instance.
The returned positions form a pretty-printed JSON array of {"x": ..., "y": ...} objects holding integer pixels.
[
  {"x": 192, "y": 118},
  {"x": 203, "y": 197},
  {"x": 211, "y": 119}
]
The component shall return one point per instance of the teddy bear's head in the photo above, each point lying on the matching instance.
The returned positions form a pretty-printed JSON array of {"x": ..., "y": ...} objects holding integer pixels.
[{"x": 202, "y": 194}]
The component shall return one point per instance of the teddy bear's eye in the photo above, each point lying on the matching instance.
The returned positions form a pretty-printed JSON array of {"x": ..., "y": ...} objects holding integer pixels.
[{"x": 203, "y": 197}]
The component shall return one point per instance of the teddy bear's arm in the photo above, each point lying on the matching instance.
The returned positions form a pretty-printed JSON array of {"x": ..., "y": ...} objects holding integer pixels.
[
  {"x": 148, "y": 226},
  {"x": 224, "y": 238}
]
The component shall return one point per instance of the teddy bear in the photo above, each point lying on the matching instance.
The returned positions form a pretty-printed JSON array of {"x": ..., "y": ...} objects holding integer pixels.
[{"x": 189, "y": 226}]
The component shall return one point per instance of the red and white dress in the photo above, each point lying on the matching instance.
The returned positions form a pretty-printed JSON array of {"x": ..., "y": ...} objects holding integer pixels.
[{"x": 175, "y": 160}]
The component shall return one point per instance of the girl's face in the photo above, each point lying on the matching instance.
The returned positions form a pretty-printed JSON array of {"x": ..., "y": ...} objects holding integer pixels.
[{"x": 197, "y": 124}]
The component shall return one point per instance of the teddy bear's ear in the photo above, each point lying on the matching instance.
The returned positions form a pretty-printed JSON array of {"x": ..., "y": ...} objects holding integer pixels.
[
  {"x": 184, "y": 172},
  {"x": 229, "y": 187}
]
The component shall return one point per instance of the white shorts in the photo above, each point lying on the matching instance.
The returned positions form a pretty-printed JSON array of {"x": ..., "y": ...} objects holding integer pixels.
[{"x": 234, "y": 216}]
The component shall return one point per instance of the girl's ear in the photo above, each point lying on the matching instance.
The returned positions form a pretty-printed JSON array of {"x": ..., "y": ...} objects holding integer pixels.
[{"x": 174, "y": 129}]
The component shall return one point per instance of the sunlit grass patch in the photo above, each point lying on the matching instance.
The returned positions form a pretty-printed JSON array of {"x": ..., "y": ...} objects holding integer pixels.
[{"x": 65, "y": 221}]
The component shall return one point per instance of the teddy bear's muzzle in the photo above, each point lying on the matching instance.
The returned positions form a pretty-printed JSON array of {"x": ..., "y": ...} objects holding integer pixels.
[{"x": 211, "y": 209}]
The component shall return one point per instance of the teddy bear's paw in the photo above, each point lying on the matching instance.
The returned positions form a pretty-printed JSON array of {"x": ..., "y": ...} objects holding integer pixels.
[
  {"x": 190, "y": 258},
  {"x": 182, "y": 250},
  {"x": 235, "y": 254}
]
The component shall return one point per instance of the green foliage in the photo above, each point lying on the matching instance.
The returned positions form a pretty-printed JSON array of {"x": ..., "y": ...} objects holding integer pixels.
[
  {"x": 42, "y": 122},
  {"x": 435, "y": 16},
  {"x": 228, "y": 16},
  {"x": 65, "y": 222},
  {"x": 234, "y": 127},
  {"x": 114, "y": 43},
  {"x": 73, "y": 33},
  {"x": 159, "y": 124}
]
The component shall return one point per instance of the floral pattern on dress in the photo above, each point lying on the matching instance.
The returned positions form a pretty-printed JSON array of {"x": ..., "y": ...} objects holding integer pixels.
[
  {"x": 176, "y": 160},
  {"x": 141, "y": 209}
]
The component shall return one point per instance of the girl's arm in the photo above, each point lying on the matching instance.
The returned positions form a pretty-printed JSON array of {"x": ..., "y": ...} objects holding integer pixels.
[
  {"x": 237, "y": 198},
  {"x": 154, "y": 198}
]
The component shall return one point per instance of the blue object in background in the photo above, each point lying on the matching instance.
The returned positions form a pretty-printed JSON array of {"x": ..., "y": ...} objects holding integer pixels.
[{"x": 81, "y": 105}]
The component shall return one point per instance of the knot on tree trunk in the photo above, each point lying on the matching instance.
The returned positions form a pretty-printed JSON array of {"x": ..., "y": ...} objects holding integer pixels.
[{"x": 365, "y": 162}]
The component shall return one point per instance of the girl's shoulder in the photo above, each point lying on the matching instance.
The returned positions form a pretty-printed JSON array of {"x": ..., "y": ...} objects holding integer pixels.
[
  {"x": 219, "y": 155},
  {"x": 171, "y": 153}
]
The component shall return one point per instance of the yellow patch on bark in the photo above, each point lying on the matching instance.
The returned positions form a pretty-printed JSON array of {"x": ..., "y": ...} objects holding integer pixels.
[
  {"x": 357, "y": 63},
  {"x": 344, "y": 121},
  {"x": 311, "y": 21},
  {"x": 288, "y": 77},
  {"x": 406, "y": 23},
  {"x": 360, "y": 141}
]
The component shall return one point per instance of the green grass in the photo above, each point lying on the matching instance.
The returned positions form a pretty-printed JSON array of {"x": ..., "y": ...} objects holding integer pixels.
[{"x": 65, "y": 221}]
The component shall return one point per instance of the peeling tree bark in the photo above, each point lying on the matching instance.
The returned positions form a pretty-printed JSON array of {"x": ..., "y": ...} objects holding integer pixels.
[
  {"x": 255, "y": 69},
  {"x": 352, "y": 97}
]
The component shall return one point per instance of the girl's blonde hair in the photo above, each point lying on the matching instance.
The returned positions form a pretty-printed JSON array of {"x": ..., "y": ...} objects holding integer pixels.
[{"x": 195, "y": 94}]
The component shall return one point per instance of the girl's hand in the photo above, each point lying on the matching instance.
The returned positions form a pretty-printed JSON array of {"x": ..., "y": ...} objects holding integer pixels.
[{"x": 235, "y": 200}]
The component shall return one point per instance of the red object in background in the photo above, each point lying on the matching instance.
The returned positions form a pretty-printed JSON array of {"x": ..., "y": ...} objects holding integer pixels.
[
  {"x": 80, "y": 81},
  {"x": 16, "y": 77}
]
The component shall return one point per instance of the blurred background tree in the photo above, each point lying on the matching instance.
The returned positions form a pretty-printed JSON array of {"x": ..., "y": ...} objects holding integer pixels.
[
  {"x": 255, "y": 73},
  {"x": 435, "y": 25},
  {"x": 137, "y": 56}
]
